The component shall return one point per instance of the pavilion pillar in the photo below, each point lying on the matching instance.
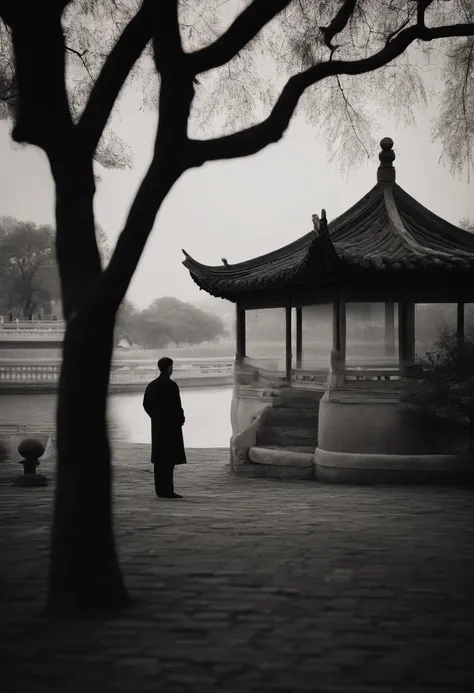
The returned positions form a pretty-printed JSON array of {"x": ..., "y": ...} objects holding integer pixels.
[
  {"x": 389, "y": 329},
  {"x": 338, "y": 353},
  {"x": 299, "y": 337},
  {"x": 460, "y": 322},
  {"x": 406, "y": 336},
  {"x": 240, "y": 332},
  {"x": 288, "y": 340}
]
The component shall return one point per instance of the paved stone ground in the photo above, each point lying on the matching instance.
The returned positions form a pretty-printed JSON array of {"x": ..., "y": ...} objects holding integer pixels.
[{"x": 250, "y": 585}]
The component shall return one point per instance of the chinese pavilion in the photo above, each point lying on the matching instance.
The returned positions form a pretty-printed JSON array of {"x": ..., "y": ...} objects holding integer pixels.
[{"x": 339, "y": 417}]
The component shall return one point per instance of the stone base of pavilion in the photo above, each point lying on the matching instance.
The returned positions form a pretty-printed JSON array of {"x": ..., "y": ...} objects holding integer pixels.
[
  {"x": 362, "y": 469},
  {"x": 338, "y": 435},
  {"x": 364, "y": 438}
]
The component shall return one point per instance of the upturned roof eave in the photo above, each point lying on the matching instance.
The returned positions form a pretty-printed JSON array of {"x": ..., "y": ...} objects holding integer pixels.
[
  {"x": 386, "y": 230},
  {"x": 304, "y": 243},
  {"x": 301, "y": 243},
  {"x": 427, "y": 217}
]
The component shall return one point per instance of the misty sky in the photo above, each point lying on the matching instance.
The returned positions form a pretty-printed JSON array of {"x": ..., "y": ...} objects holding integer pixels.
[{"x": 237, "y": 209}]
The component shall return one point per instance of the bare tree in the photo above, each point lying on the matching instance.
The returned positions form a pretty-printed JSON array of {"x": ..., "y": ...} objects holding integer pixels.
[{"x": 189, "y": 48}]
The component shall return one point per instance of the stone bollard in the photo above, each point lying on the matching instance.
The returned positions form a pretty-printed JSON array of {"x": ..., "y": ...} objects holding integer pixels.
[{"x": 30, "y": 449}]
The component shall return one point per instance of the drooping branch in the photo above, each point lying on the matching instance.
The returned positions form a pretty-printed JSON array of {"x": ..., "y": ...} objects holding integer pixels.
[
  {"x": 271, "y": 130},
  {"x": 351, "y": 113},
  {"x": 127, "y": 50},
  {"x": 247, "y": 25},
  {"x": 80, "y": 55}
]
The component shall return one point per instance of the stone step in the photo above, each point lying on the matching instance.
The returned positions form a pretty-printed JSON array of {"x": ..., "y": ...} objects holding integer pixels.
[
  {"x": 284, "y": 437},
  {"x": 281, "y": 457},
  {"x": 286, "y": 416},
  {"x": 308, "y": 449},
  {"x": 305, "y": 400}
]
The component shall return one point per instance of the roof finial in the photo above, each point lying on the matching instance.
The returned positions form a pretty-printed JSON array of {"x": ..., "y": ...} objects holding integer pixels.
[
  {"x": 386, "y": 170},
  {"x": 319, "y": 225}
]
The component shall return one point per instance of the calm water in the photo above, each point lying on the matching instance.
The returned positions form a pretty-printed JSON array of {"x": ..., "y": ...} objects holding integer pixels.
[{"x": 207, "y": 413}]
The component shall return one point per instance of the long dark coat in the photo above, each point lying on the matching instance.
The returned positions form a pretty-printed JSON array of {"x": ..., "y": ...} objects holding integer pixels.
[{"x": 162, "y": 403}]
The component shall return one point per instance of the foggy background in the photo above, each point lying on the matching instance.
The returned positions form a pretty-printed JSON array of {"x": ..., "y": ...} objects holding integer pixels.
[{"x": 237, "y": 209}]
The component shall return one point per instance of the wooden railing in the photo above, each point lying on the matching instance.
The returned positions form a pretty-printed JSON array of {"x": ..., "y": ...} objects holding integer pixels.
[
  {"x": 372, "y": 377},
  {"x": 310, "y": 377},
  {"x": 374, "y": 373}
]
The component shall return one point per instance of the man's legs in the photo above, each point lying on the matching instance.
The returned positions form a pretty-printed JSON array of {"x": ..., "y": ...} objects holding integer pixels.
[
  {"x": 158, "y": 480},
  {"x": 170, "y": 479},
  {"x": 164, "y": 485}
]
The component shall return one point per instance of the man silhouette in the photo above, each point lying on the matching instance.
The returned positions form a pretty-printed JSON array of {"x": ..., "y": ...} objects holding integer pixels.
[{"x": 162, "y": 403}]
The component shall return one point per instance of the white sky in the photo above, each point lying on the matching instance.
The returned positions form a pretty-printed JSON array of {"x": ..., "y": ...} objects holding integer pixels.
[{"x": 237, "y": 209}]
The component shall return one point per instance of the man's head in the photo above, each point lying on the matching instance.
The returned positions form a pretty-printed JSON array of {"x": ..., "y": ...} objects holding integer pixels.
[{"x": 165, "y": 365}]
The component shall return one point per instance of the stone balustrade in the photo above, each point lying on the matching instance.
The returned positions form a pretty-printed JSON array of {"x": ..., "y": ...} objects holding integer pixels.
[
  {"x": 30, "y": 324},
  {"x": 123, "y": 372},
  {"x": 249, "y": 373},
  {"x": 32, "y": 330}
]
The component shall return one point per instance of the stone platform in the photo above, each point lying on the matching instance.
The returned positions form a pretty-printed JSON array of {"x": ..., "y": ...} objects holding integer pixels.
[{"x": 250, "y": 585}]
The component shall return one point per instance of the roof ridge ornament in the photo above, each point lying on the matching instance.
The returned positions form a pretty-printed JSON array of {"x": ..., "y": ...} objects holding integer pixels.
[
  {"x": 320, "y": 226},
  {"x": 386, "y": 169}
]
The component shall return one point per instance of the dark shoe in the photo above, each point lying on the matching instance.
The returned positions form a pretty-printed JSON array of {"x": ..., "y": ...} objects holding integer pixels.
[{"x": 169, "y": 495}]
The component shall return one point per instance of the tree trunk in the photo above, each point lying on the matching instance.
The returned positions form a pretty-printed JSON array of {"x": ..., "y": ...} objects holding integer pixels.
[
  {"x": 471, "y": 438},
  {"x": 84, "y": 570}
]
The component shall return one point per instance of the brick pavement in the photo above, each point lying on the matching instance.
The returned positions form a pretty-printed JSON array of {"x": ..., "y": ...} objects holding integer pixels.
[{"x": 250, "y": 585}]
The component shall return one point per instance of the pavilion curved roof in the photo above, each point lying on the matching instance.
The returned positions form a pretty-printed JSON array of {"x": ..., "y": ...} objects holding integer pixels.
[{"x": 385, "y": 235}]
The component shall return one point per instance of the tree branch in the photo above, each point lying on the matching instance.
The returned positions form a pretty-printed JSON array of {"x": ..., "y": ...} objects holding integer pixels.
[
  {"x": 38, "y": 45},
  {"x": 421, "y": 11},
  {"x": 272, "y": 129},
  {"x": 81, "y": 58},
  {"x": 339, "y": 22},
  {"x": 402, "y": 26},
  {"x": 128, "y": 48},
  {"x": 350, "y": 108},
  {"x": 155, "y": 186},
  {"x": 176, "y": 95},
  {"x": 247, "y": 25},
  {"x": 177, "y": 87}
]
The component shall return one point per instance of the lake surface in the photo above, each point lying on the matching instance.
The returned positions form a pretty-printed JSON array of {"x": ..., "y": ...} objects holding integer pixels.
[{"x": 207, "y": 412}]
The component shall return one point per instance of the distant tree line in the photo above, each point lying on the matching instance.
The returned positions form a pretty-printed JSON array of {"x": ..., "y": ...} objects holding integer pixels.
[
  {"x": 29, "y": 276},
  {"x": 167, "y": 321},
  {"x": 29, "y": 283}
]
